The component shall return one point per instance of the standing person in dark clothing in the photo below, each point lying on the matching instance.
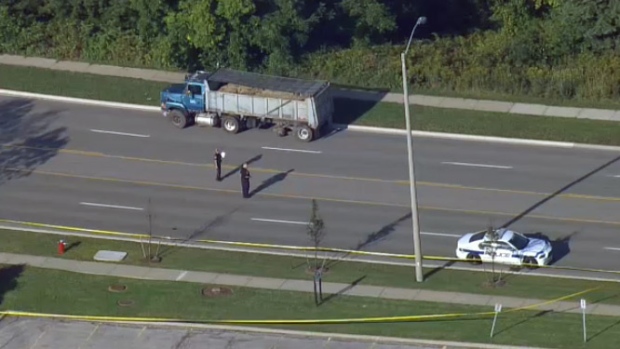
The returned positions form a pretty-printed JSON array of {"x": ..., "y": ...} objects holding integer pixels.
[
  {"x": 245, "y": 181},
  {"x": 217, "y": 158}
]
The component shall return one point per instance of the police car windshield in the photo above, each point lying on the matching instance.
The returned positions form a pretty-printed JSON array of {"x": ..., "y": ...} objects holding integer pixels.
[{"x": 518, "y": 241}]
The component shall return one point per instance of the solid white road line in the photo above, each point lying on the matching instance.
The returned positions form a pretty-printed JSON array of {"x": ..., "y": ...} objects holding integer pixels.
[
  {"x": 476, "y": 165},
  {"x": 612, "y": 248},
  {"x": 614, "y": 176},
  {"x": 294, "y": 150},
  {"x": 181, "y": 276},
  {"x": 120, "y": 133},
  {"x": 305, "y": 223},
  {"x": 278, "y": 221},
  {"x": 112, "y": 206}
]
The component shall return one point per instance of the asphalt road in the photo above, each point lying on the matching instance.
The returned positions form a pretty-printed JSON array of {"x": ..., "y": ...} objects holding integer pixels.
[{"x": 101, "y": 167}]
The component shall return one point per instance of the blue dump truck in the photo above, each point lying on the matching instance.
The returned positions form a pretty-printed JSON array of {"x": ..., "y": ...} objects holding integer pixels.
[{"x": 236, "y": 100}]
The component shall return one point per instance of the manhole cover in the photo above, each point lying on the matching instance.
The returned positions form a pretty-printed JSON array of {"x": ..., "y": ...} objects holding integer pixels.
[
  {"x": 125, "y": 303},
  {"x": 117, "y": 288},
  {"x": 216, "y": 291}
]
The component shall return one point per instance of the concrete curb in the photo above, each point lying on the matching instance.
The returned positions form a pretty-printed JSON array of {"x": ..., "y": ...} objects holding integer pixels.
[
  {"x": 72, "y": 100},
  {"x": 460, "y": 137},
  {"x": 355, "y": 128}
]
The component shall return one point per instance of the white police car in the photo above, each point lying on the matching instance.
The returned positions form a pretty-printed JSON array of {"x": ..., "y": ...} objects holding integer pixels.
[{"x": 509, "y": 247}]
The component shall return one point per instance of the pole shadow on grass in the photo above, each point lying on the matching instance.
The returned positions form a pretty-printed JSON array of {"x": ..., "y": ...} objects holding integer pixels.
[
  {"x": 528, "y": 318},
  {"x": 371, "y": 239},
  {"x": 559, "y": 191},
  {"x": 436, "y": 270},
  {"x": 603, "y": 330},
  {"x": 8, "y": 278},
  {"x": 28, "y": 139}
]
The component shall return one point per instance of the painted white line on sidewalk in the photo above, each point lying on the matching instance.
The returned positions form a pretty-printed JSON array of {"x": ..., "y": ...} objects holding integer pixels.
[
  {"x": 476, "y": 165},
  {"x": 112, "y": 206},
  {"x": 294, "y": 150},
  {"x": 278, "y": 221},
  {"x": 120, "y": 133},
  {"x": 181, "y": 276}
]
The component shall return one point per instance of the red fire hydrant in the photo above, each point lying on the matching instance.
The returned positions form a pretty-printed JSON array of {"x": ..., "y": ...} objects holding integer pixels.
[{"x": 62, "y": 247}]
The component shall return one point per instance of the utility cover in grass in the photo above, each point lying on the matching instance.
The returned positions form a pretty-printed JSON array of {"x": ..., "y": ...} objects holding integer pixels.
[{"x": 110, "y": 256}]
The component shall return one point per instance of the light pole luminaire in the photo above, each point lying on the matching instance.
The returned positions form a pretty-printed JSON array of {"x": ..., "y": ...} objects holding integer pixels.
[{"x": 417, "y": 248}]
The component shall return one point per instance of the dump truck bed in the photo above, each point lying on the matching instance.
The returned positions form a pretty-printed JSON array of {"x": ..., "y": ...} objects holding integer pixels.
[{"x": 263, "y": 96}]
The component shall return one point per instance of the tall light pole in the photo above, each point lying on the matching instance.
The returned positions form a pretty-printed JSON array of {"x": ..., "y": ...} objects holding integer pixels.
[{"x": 415, "y": 218}]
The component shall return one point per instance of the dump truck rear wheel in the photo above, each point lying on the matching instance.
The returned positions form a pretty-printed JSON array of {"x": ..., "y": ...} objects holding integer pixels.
[
  {"x": 179, "y": 119},
  {"x": 230, "y": 124},
  {"x": 304, "y": 133}
]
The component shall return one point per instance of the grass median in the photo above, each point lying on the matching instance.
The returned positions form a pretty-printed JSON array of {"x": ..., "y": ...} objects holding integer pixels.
[
  {"x": 137, "y": 91},
  {"x": 251, "y": 264},
  {"x": 51, "y": 291}
]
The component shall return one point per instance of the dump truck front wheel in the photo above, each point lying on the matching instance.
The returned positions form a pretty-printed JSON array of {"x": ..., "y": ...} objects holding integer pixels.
[{"x": 179, "y": 119}]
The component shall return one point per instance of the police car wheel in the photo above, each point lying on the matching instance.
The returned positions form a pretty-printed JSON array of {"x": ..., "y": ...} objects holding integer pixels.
[
  {"x": 530, "y": 262},
  {"x": 474, "y": 258}
]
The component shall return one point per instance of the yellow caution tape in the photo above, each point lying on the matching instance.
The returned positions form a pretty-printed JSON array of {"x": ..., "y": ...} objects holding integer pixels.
[
  {"x": 292, "y": 247},
  {"x": 414, "y": 318}
]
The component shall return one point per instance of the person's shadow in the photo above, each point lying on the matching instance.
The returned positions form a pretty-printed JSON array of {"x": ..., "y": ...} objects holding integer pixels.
[
  {"x": 271, "y": 181},
  {"x": 238, "y": 168}
]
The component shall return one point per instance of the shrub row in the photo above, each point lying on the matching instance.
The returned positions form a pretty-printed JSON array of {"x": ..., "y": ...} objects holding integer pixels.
[{"x": 470, "y": 66}]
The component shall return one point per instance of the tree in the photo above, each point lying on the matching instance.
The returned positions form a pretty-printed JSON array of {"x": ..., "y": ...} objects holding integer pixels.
[
  {"x": 316, "y": 233},
  {"x": 147, "y": 252},
  {"x": 370, "y": 19}
]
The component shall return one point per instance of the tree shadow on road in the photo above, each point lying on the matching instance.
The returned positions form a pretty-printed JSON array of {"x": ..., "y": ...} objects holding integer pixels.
[
  {"x": 199, "y": 232},
  {"x": 29, "y": 139},
  {"x": 8, "y": 278},
  {"x": 559, "y": 191}
]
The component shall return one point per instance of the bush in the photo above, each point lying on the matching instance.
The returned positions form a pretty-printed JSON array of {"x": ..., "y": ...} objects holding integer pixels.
[{"x": 524, "y": 54}]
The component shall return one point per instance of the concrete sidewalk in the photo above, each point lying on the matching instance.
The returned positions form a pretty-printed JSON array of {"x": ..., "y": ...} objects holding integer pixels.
[
  {"x": 388, "y": 293},
  {"x": 430, "y": 101}
]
